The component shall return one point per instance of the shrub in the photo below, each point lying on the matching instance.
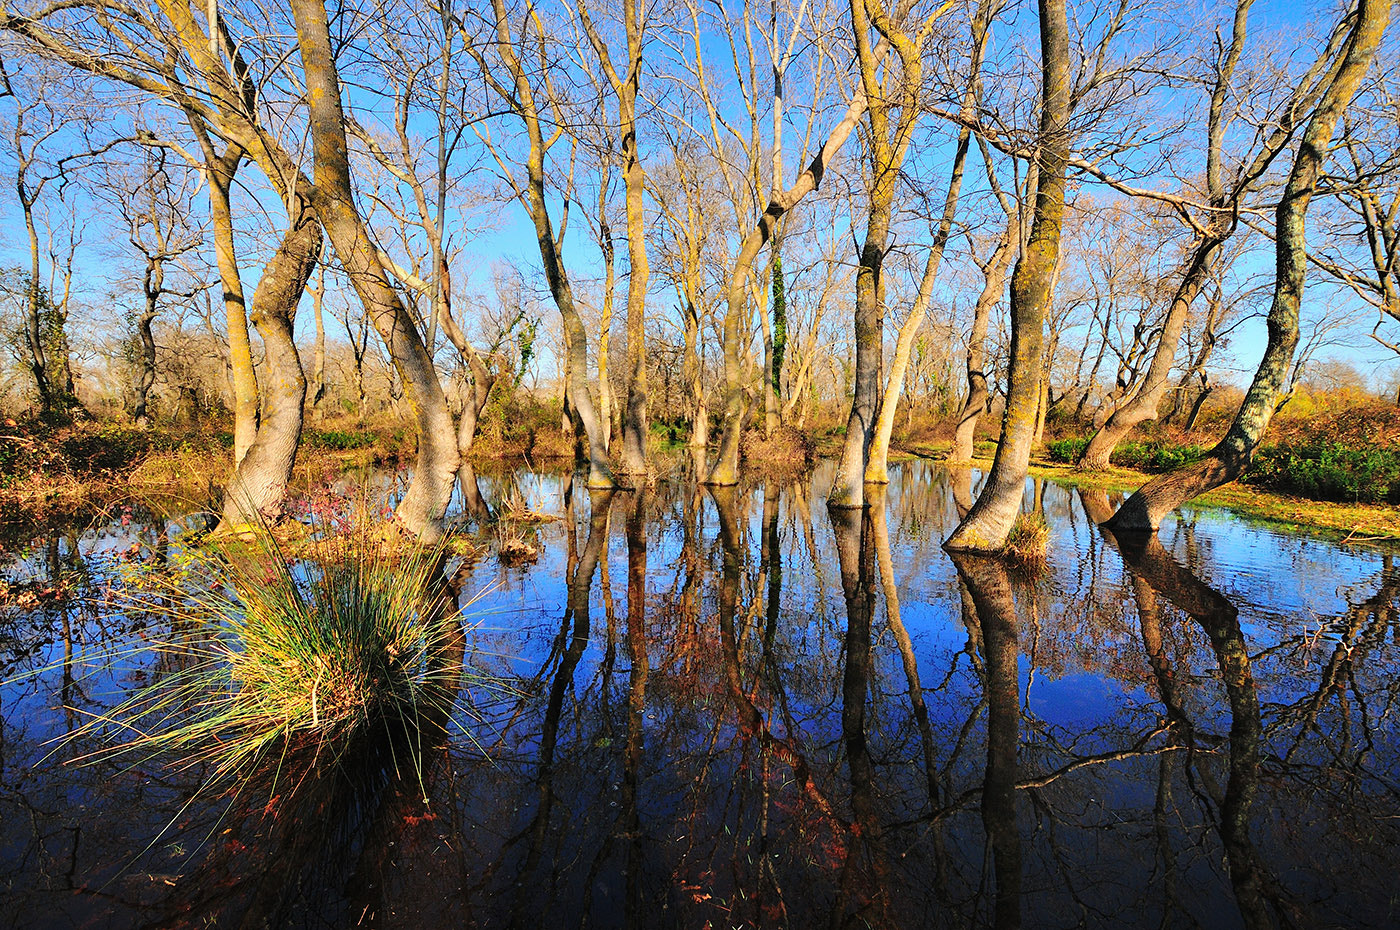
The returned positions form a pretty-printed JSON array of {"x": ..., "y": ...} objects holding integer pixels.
[
  {"x": 1150, "y": 456},
  {"x": 1156, "y": 456},
  {"x": 1028, "y": 541},
  {"x": 1329, "y": 471},
  {"x": 1066, "y": 450},
  {"x": 339, "y": 440},
  {"x": 788, "y": 449}
]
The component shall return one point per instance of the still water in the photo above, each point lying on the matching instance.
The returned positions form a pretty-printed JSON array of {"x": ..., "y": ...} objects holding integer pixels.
[{"x": 733, "y": 708}]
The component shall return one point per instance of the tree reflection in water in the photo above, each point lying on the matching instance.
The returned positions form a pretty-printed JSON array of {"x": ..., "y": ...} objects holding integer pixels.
[{"x": 1185, "y": 729}]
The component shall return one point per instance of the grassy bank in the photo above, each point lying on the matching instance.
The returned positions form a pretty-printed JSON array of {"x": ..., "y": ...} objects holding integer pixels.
[{"x": 1355, "y": 522}]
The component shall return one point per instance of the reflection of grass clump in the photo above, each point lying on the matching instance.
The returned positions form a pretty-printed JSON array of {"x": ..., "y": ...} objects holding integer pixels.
[
  {"x": 1028, "y": 541},
  {"x": 286, "y": 656}
]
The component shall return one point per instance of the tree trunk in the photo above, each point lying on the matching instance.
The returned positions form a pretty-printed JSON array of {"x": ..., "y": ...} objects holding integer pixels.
[
  {"x": 979, "y": 398},
  {"x": 430, "y": 490},
  {"x": 635, "y": 424},
  {"x": 987, "y": 524},
  {"x": 693, "y": 375},
  {"x": 1142, "y": 406},
  {"x": 605, "y": 402},
  {"x": 33, "y": 319},
  {"x": 876, "y": 471},
  {"x": 153, "y": 285},
  {"x": 848, "y": 490},
  {"x": 318, "y": 367},
  {"x": 777, "y": 346},
  {"x": 220, "y": 173},
  {"x": 258, "y": 487},
  {"x": 1143, "y": 512}
]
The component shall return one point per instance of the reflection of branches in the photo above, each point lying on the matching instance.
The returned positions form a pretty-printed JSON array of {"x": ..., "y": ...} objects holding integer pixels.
[
  {"x": 577, "y": 610},
  {"x": 989, "y": 586},
  {"x": 1145, "y": 556},
  {"x": 750, "y": 718},
  {"x": 855, "y": 550}
]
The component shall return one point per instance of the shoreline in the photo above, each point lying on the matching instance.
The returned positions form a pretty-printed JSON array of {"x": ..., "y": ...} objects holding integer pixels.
[
  {"x": 198, "y": 475},
  {"x": 1336, "y": 522}
]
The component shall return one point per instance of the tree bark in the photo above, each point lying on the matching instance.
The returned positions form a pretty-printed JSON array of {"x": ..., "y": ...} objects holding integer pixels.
[
  {"x": 430, "y": 490},
  {"x": 318, "y": 363},
  {"x": 153, "y": 285},
  {"x": 1143, "y": 512},
  {"x": 987, "y": 524},
  {"x": 605, "y": 244},
  {"x": 220, "y": 171},
  {"x": 258, "y": 487}
]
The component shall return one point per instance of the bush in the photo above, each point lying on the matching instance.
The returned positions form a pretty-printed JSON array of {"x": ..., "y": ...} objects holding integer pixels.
[
  {"x": 1329, "y": 471},
  {"x": 1150, "y": 456},
  {"x": 339, "y": 440},
  {"x": 1066, "y": 450},
  {"x": 1156, "y": 456},
  {"x": 788, "y": 449},
  {"x": 1028, "y": 542}
]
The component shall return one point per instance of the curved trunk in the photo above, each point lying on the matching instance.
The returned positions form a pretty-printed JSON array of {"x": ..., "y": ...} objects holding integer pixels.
[
  {"x": 987, "y": 524},
  {"x": 1143, "y": 512},
  {"x": 429, "y": 492},
  {"x": 259, "y": 484},
  {"x": 473, "y": 403},
  {"x": 1142, "y": 406},
  {"x": 979, "y": 398},
  {"x": 725, "y": 470}
]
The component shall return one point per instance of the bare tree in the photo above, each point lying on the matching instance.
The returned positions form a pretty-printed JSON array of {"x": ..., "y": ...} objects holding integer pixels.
[
  {"x": 989, "y": 521},
  {"x": 1145, "y": 509},
  {"x": 155, "y": 203}
]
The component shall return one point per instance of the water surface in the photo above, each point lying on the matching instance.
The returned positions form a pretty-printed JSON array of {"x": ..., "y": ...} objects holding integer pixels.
[{"x": 733, "y": 708}]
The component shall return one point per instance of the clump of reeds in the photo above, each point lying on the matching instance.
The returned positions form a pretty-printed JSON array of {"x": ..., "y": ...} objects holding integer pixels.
[
  {"x": 279, "y": 655},
  {"x": 1028, "y": 542},
  {"x": 514, "y": 507}
]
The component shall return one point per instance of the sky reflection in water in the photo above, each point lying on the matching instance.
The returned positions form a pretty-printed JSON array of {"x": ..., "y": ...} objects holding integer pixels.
[{"x": 734, "y": 708}]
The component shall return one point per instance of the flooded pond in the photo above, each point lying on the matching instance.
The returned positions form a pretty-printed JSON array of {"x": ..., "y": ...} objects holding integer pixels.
[{"x": 732, "y": 708}]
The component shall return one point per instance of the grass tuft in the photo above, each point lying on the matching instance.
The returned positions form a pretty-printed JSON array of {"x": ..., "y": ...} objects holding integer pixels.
[
  {"x": 1028, "y": 542},
  {"x": 275, "y": 656}
]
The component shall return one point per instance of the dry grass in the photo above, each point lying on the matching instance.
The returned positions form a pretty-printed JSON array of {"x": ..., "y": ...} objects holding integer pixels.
[
  {"x": 1028, "y": 542},
  {"x": 787, "y": 450}
]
